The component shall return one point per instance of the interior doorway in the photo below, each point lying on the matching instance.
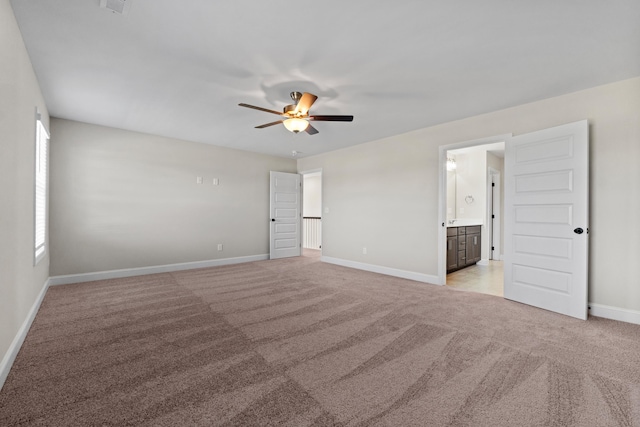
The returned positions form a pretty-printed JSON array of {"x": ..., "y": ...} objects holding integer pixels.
[
  {"x": 546, "y": 217},
  {"x": 312, "y": 213},
  {"x": 473, "y": 213}
]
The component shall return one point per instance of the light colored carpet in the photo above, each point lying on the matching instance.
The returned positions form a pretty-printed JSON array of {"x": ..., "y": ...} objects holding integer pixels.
[{"x": 296, "y": 342}]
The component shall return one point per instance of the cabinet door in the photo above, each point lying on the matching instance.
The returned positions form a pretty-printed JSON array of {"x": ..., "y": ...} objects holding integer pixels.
[
  {"x": 452, "y": 253},
  {"x": 473, "y": 248}
]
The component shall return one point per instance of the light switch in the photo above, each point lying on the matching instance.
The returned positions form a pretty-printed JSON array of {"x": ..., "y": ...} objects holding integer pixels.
[
  {"x": 216, "y": 181},
  {"x": 199, "y": 180},
  {"x": 326, "y": 210}
]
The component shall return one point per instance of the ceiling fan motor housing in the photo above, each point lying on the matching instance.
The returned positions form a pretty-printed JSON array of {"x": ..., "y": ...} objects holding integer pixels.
[{"x": 289, "y": 110}]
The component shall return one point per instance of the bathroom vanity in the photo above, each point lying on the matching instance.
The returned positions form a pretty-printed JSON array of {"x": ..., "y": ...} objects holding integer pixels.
[{"x": 463, "y": 246}]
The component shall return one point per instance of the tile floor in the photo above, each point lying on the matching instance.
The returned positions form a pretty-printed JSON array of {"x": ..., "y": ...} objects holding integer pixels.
[{"x": 486, "y": 279}]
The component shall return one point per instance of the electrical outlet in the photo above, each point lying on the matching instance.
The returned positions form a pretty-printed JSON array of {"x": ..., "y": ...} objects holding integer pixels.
[
  {"x": 364, "y": 250},
  {"x": 216, "y": 181},
  {"x": 219, "y": 246}
]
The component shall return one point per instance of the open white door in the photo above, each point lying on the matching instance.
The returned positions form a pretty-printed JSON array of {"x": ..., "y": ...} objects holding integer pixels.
[
  {"x": 286, "y": 211},
  {"x": 547, "y": 219}
]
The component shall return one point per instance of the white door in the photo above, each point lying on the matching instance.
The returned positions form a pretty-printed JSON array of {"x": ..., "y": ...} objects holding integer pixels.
[
  {"x": 286, "y": 218},
  {"x": 547, "y": 219}
]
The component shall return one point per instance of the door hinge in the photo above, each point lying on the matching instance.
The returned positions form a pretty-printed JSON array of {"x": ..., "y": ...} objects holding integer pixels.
[
  {"x": 493, "y": 217},
  {"x": 492, "y": 248},
  {"x": 493, "y": 184}
]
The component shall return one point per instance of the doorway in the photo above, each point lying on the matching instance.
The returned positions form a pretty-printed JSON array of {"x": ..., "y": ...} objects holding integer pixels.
[
  {"x": 546, "y": 206},
  {"x": 312, "y": 213},
  {"x": 472, "y": 213}
]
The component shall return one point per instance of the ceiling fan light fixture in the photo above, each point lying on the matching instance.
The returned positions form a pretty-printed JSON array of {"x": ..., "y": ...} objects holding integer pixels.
[{"x": 296, "y": 125}]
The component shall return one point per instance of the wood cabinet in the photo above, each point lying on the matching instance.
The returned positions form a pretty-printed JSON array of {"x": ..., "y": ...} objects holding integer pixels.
[
  {"x": 463, "y": 247},
  {"x": 452, "y": 251},
  {"x": 473, "y": 244}
]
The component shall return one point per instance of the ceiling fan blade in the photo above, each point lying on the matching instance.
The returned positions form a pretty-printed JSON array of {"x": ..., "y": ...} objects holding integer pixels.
[
  {"x": 266, "y": 125},
  {"x": 332, "y": 118},
  {"x": 305, "y": 103},
  {"x": 311, "y": 130},
  {"x": 266, "y": 110}
]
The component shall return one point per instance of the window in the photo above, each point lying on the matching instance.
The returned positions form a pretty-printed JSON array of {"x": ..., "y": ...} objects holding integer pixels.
[{"x": 42, "y": 138}]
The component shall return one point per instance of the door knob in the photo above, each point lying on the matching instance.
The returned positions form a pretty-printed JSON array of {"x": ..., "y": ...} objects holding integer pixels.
[
  {"x": 273, "y": 220},
  {"x": 578, "y": 230}
]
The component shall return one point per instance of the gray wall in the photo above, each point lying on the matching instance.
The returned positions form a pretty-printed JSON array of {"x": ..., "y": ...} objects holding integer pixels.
[
  {"x": 20, "y": 281},
  {"x": 312, "y": 197},
  {"x": 121, "y": 199},
  {"x": 384, "y": 194},
  {"x": 471, "y": 180}
]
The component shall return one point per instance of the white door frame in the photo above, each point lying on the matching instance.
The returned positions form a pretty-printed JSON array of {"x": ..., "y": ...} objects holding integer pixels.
[
  {"x": 309, "y": 172},
  {"x": 442, "y": 199}
]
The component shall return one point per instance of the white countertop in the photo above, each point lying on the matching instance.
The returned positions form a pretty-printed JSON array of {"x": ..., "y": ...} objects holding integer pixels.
[{"x": 464, "y": 222}]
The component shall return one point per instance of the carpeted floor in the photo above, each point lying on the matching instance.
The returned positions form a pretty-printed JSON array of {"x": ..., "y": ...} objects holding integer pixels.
[{"x": 297, "y": 342}]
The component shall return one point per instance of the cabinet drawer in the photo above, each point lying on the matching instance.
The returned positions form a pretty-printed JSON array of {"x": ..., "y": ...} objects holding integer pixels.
[
  {"x": 452, "y": 231},
  {"x": 462, "y": 230},
  {"x": 462, "y": 244},
  {"x": 473, "y": 229},
  {"x": 462, "y": 258}
]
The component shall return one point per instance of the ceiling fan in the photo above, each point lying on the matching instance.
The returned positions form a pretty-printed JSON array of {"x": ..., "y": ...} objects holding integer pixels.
[{"x": 296, "y": 116}]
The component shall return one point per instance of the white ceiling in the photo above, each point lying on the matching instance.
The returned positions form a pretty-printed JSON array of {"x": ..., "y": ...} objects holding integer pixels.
[{"x": 180, "y": 68}]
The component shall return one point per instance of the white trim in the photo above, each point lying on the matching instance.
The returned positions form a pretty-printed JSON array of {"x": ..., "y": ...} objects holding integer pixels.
[
  {"x": 483, "y": 262},
  {"x": 404, "y": 274},
  {"x": 14, "y": 348},
  {"x": 615, "y": 313},
  {"x": 141, "y": 271}
]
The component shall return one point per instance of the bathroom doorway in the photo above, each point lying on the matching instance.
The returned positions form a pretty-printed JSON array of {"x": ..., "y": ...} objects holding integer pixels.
[{"x": 474, "y": 212}]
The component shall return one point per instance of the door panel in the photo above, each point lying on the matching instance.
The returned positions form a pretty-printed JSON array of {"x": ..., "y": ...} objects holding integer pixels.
[
  {"x": 546, "y": 198},
  {"x": 285, "y": 209}
]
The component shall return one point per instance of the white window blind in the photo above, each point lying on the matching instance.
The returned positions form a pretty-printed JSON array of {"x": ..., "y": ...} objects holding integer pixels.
[{"x": 42, "y": 138}]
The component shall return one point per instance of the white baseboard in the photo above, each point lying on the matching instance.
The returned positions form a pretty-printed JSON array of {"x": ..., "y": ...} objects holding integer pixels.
[
  {"x": 141, "y": 271},
  {"x": 615, "y": 313},
  {"x": 14, "y": 348},
  {"x": 411, "y": 275}
]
